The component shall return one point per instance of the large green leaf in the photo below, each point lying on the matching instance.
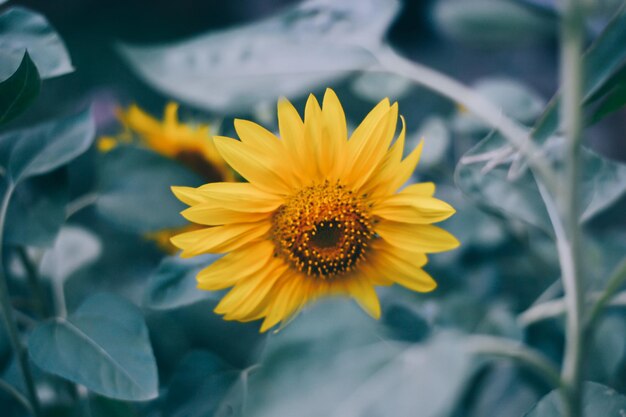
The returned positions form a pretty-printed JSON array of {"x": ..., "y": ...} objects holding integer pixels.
[
  {"x": 135, "y": 189},
  {"x": 46, "y": 147},
  {"x": 342, "y": 368},
  {"x": 486, "y": 22},
  {"x": 73, "y": 249},
  {"x": 605, "y": 58},
  {"x": 598, "y": 401},
  {"x": 19, "y": 90},
  {"x": 306, "y": 46},
  {"x": 104, "y": 346},
  {"x": 201, "y": 386},
  {"x": 504, "y": 187},
  {"x": 174, "y": 284},
  {"x": 37, "y": 210},
  {"x": 22, "y": 29}
]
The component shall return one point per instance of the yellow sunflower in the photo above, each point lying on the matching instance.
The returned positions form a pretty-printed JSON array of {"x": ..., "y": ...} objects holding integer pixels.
[
  {"x": 189, "y": 144},
  {"x": 321, "y": 214}
]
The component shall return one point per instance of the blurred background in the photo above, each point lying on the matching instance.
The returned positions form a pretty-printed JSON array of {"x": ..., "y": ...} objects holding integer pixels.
[{"x": 229, "y": 59}]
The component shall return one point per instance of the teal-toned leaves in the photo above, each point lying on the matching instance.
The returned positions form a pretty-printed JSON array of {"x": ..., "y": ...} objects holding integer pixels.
[
  {"x": 515, "y": 100},
  {"x": 306, "y": 46},
  {"x": 598, "y": 400},
  {"x": 134, "y": 189},
  {"x": 356, "y": 374},
  {"x": 603, "y": 60},
  {"x": 491, "y": 175},
  {"x": 375, "y": 86},
  {"x": 104, "y": 346},
  {"x": 488, "y": 22},
  {"x": 173, "y": 284},
  {"x": 37, "y": 210},
  {"x": 44, "y": 148},
  {"x": 21, "y": 30},
  {"x": 73, "y": 249},
  {"x": 19, "y": 90}
]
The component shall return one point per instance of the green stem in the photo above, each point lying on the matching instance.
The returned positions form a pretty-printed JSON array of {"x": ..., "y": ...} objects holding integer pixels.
[
  {"x": 40, "y": 304},
  {"x": 616, "y": 280},
  {"x": 571, "y": 70},
  {"x": 506, "y": 348},
  {"x": 8, "y": 318},
  {"x": 555, "y": 308},
  {"x": 512, "y": 131}
]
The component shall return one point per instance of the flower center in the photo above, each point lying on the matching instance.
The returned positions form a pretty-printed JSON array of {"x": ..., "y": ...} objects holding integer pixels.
[{"x": 323, "y": 230}]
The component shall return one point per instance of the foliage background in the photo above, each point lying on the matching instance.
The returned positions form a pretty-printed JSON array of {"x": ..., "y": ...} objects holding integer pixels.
[{"x": 81, "y": 220}]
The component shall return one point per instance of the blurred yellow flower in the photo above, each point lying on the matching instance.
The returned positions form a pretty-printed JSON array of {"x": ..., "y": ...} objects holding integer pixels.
[
  {"x": 321, "y": 214},
  {"x": 191, "y": 145}
]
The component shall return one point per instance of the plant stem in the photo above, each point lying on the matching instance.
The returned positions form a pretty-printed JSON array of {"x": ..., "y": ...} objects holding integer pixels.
[
  {"x": 506, "y": 348},
  {"x": 615, "y": 281},
  {"x": 571, "y": 70},
  {"x": 40, "y": 304},
  {"x": 555, "y": 308},
  {"x": 512, "y": 131},
  {"x": 7, "y": 315}
]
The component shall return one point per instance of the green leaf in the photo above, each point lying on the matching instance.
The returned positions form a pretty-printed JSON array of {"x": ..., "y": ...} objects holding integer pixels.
[
  {"x": 598, "y": 400},
  {"x": 74, "y": 248},
  {"x": 515, "y": 99},
  {"x": 37, "y": 210},
  {"x": 375, "y": 86},
  {"x": 607, "y": 348},
  {"x": 46, "y": 147},
  {"x": 19, "y": 90},
  {"x": 488, "y": 22},
  {"x": 134, "y": 189},
  {"x": 174, "y": 284},
  {"x": 200, "y": 388},
  {"x": 436, "y": 138},
  {"x": 604, "y": 58},
  {"x": 22, "y": 29},
  {"x": 492, "y": 176},
  {"x": 356, "y": 373},
  {"x": 304, "y": 47},
  {"x": 104, "y": 346}
]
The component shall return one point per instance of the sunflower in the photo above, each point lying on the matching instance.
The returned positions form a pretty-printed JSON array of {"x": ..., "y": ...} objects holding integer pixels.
[
  {"x": 320, "y": 215},
  {"x": 188, "y": 144}
]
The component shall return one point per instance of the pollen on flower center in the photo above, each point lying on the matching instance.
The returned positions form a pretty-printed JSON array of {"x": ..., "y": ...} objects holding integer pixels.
[{"x": 323, "y": 230}]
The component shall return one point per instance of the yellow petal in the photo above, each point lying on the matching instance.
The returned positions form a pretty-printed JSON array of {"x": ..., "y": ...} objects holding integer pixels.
[
  {"x": 189, "y": 195},
  {"x": 212, "y": 215},
  {"x": 235, "y": 266},
  {"x": 219, "y": 239},
  {"x": 409, "y": 207},
  {"x": 260, "y": 172},
  {"x": 404, "y": 271},
  {"x": 334, "y": 136},
  {"x": 416, "y": 237},
  {"x": 288, "y": 295},
  {"x": 249, "y": 295},
  {"x": 363, "y": 292}
]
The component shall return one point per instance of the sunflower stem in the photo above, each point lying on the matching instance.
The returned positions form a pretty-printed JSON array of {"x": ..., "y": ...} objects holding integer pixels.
[
  {"x": 8, "y": 318},
  {"x": 506, "y": 348},
  {"x": 610, "y": 296},
  {"x": 569, "y": 241},
  {"x": 516, "y": 134}
]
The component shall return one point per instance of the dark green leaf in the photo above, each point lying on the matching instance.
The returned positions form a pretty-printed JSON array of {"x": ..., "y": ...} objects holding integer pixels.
[
  {"x": 612, "y": 102},
  {"x": 200, "y": 387},
  {"x": 487, "y": 22},
  {"x": 598, "y": 400},
  {"x": 43, "y": 148},
  {"x": 174, "y": 283},
  {"x": 21, "y": 30},
  {"x": 19, "y": 90},
  {"x": 306, "y": 46},
  {"x": 104, "y": 346},
  {"x": 37, "y": 210},
  {"x": 605, "y": 57},
  {"x": 135, "y": 189}
]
